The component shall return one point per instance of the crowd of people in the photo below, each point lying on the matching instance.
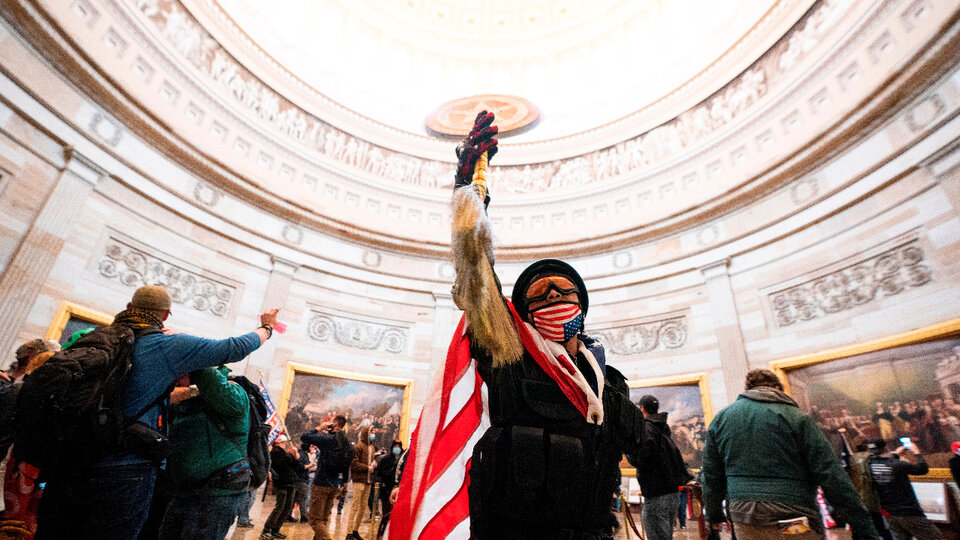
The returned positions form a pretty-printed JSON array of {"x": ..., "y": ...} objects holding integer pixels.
[{"x": 182, "y": 461}]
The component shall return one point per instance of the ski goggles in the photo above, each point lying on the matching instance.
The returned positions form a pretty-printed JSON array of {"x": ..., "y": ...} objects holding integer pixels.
[{"x": 540, "y": 289}]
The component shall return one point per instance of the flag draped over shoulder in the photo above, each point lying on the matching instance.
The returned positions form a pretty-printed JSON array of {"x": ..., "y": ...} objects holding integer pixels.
[
  {"x": 432, "y": 503},
  {"x": 273, "y": 417}
]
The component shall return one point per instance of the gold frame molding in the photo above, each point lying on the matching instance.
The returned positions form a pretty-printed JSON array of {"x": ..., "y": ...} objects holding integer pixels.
[
  {"x": 946, "y": 330},
  {"x": 700, "y": 379},
  {"x": 296, "y": 367},
  {"x": 68, "y": 310}
]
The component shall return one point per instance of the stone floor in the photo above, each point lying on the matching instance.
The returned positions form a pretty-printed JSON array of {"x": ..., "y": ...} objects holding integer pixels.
[{"x": 302, "y": 531}]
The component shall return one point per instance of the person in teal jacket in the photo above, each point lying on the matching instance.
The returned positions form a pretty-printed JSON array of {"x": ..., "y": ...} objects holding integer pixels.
[
  {"x": 207, "y": 464},
  {"x": 766, "y": 458}
]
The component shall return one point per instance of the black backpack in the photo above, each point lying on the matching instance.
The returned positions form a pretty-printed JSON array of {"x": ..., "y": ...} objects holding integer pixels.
[
  {"x": 673, "y": 460},
  {"x": 69, "y": 412},
  {"x": 339, "y": 458},
  {"x": 258, "y": 446}
]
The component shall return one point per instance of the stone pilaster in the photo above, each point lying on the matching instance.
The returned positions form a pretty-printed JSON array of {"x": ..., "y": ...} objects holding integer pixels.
[
  {"x": 726, "y": 323},
  {"x": 275, "y": 296},
  {"x": 446, "y": 315},
  {"x": 30, "y": 265}
]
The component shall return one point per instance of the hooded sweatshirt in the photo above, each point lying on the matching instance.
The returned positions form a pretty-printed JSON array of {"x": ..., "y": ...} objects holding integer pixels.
[
  {"x": 762, "y": 448},
  {"x": 655, "y": 465}
]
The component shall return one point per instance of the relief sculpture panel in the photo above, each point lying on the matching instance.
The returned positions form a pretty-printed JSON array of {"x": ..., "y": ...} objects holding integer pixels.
[
  {"x": 356, "y": 333},
  {"x": 669, "y": 333},
  {"x": 134, "y": 267},
  {"x": 886, "y": 274}
]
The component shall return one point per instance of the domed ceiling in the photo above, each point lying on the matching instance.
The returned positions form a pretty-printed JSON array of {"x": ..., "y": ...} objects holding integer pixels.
[{"x": 582, "y": 63}]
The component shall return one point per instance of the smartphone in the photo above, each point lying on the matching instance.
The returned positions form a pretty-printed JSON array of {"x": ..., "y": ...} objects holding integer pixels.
[{"x": 906, "y": 442}]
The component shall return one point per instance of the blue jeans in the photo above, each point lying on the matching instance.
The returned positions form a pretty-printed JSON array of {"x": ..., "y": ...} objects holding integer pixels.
[
  {"x": 658, "y": 515},
  {"x": 199, "y": 516},
  {"x": 243, "y": 515},
  {"x": 111, "y": 502}
]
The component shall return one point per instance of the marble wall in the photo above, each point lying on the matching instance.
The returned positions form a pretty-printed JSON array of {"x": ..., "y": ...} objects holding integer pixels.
[{"x": 859, "y": 241}]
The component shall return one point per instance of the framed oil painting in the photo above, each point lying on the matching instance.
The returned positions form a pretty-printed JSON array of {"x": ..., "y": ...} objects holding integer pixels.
[
  {"x": 686, "y": 400},
  {"x": 907, "y": 385},
  {"x": 72, "y": 317},
  {"x": 311, "y": 394}
]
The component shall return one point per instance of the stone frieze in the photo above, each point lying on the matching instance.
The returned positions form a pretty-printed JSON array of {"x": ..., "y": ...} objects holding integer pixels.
[
  {"x": 670, "y": 333},
  {"x": 189, "y": 38},
  {"x": 886, "y": 274},
  {"x": 357, "y": 334},
  {"x": 133, "y": 266}
]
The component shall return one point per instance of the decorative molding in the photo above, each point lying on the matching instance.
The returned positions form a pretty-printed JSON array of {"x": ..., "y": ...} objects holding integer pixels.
[
  {"x": 132, "y": 266},
  {"x": 292, "y": 234},
  {"x": 925, "y": 111},
  {"x": 669, "y": 333},
  {"x": 356, "y": 333},
  {"x": 105, "y": 128},
  {"x": 371, "y": 258},
  {"x": 804, "y": 190},
  {"x": 886, "y": 274},
  {"x": 207, "y": 194}
]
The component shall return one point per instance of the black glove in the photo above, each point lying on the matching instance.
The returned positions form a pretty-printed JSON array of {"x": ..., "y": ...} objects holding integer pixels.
[{"x": 479, "y": 140}]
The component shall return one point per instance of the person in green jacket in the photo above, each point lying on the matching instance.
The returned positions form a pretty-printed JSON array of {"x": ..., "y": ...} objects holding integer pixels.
[
  {"x": 766, "y": 458},
  {"x": 207, "y": 464}
]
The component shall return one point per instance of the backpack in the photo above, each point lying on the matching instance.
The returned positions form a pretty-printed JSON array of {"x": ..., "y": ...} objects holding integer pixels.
[
  {"x": 339, "y": 458},
  {"x": 258, "y": 440},
  {"x": 69, "y": 412},
  {"x": 673, "y": 460}
]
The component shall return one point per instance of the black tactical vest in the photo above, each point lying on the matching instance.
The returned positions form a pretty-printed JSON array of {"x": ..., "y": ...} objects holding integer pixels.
[{"x": 541, "y": 470}]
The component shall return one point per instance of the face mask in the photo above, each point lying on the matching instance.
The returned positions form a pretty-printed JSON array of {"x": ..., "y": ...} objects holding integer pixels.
[
  {"x": 560, "y": 321},
  {"x": 396, "y": 451},
  {"x": 372, "y": 437}
]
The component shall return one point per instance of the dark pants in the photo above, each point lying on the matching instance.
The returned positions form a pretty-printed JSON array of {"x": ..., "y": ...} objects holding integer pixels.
[
  {"x": 111, "y": 502},
  {"x": 301, "y": 494},
  {"x": 281, "y": 510},
  {"x": 682, "y": 511},
  {"x": 385, "y": 498},
  {"x": 243, "y": 515},
  {"x": 199, "y": 516},
  {"x": 907, "y": 527}
]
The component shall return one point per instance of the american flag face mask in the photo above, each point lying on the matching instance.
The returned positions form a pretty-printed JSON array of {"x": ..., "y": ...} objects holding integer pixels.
[{"x": 559, "y": 321}]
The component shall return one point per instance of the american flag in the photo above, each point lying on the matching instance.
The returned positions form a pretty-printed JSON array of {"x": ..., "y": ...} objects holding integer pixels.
[
  {"x": 273, "y": 417},
  {"x": 548, "y": 317},
  {"x": 433, "y": 503}
]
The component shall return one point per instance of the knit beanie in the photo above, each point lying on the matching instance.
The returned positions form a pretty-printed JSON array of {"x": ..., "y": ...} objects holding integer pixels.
[
  {"x": 151, "y": 298},
  {"x": 35, "y": 346}
]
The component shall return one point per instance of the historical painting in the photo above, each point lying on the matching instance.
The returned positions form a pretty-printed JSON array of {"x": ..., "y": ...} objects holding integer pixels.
[
  {"x": 908, "y": 390},
  {"x": 686, "y": 402},
  {"x": 71, "y": 318},
  {"x": 312, "y": 395}
]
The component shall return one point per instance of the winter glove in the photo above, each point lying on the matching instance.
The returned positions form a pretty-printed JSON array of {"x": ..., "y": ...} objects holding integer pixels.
[{"x": 479, "y": 140}]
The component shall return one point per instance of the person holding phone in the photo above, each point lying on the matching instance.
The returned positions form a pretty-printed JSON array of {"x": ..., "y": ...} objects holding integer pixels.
[{"x": 898, "y": 501}]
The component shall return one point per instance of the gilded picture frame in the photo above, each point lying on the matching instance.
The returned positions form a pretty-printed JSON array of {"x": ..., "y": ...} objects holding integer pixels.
[
  {"x": 695, "y": 382},
  {"x": 348, "y": 381},
  {"x": 889, "y": 347},
  {"x": 74, "y": 316}
]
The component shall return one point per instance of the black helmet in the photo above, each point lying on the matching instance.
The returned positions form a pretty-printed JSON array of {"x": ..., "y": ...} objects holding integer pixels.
[{"x": 544, "y": 268}]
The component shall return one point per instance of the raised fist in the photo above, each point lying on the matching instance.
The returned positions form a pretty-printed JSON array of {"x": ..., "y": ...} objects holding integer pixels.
[{"x": 479, "y": 140}]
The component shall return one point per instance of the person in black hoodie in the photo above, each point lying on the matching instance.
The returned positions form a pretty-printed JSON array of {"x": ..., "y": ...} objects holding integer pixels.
[
  {"x": 284, "y": 462},
  {"x": 660, "y": 471},
  {"x": 386, "y": 473},
  {"x": 898, "y": 501}
]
